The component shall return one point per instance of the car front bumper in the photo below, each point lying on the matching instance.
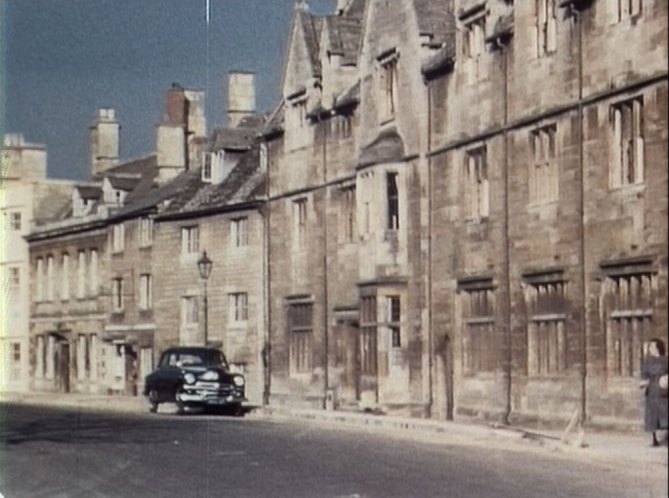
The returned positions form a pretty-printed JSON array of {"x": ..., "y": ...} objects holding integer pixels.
[{"x": 219, "y": 397}]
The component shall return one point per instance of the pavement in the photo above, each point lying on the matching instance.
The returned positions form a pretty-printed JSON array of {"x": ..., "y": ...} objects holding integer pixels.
[{"x": 604, "y": 446}]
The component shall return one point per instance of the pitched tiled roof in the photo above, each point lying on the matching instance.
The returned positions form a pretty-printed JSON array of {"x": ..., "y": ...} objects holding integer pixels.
[
  {"x": 136, "y": 166},
  {"x": 125, "y": 183},
  {"x": 312, "y": 26},
  {"x": 89, "y": 192},
  {"x": 245, "y": 183},
  {"x": 443, "y": 60},
  {"x": 54, "y": 203},
  {"x": 503, "y": 28},
  {"x": 435, "y": 20},
  {"x": 345, "y": 37},
  {"x": 355, "y": 8},
  {"x": 349, "y": 96},
  {"x": 275, "y": 121}
]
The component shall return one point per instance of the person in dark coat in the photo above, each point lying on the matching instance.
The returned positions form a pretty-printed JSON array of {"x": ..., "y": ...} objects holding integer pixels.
[{"x": 653, "y": 367}]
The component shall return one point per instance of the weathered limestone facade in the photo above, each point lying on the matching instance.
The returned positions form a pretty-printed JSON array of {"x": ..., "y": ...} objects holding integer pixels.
[
  {"x": 457, "y": 208},
  {"x": 536, "y": 273},
  {"x": 27, "y": 197}
]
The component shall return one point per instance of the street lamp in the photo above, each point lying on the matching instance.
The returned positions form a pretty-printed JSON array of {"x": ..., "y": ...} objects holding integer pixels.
[{"x": 204, "y": 266}]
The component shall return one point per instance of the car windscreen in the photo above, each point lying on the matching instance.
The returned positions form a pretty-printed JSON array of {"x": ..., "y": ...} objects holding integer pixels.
[{"x": 193, "y": 358}]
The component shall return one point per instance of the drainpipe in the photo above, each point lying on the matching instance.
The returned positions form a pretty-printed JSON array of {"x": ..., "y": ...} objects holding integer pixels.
[
  {"x": 507, "y": 258},
  {"x": 584, "y": 345},
  {"x": 326, "y": 345},
  {"x": 267, "y": 277},
  {"x": 430, "y": 333}
]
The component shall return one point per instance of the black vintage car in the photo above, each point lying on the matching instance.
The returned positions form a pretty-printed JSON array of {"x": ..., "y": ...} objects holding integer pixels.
[{"x": 194, "y": 376}]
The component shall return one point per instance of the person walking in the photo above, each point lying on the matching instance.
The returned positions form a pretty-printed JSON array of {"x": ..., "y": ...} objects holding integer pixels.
[{"x": 653, "y": 368}]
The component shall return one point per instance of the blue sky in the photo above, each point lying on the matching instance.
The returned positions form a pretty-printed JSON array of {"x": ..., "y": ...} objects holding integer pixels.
[{"x": 64, "y": 59}]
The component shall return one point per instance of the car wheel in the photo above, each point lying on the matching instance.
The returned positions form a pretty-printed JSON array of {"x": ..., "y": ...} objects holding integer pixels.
[
  {"x": 153, "y": 401},
  {"x": 181, "y": 407},
  {"x": 234, "y": 410}
]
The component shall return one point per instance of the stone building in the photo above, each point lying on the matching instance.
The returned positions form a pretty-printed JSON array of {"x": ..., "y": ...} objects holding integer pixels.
[
  {"x": 457, "y": 208},
  {"x": 27, "y": 198},
  {"x": 549, "y": 254},
  {"x": 218, "y": 210},
  {"x": 92, "y": 312},
  {"x": 507, "y": 253}
]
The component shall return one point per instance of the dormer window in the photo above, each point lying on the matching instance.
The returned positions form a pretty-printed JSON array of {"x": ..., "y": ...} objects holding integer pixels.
[
  {"x": 473, "y": 44},
  {"x": 387, "y": 85},
  {"x": 206, "y": 168},
  {"x": 296, "y": 119}
]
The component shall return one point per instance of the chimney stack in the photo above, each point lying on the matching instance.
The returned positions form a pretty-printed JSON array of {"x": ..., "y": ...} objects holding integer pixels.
[
  {"x": 181, "y": 134},
  {"x": 241, "y": 96},
  {"x": 104, "y": 144},
  {"x": 22, "y": 160}
]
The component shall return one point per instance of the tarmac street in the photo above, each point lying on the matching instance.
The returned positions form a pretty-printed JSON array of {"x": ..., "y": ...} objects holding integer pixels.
[{"x": 51, "y": 451}]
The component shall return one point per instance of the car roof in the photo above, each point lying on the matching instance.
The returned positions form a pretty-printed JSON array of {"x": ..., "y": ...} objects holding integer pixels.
[{"x": 191, "y": 349}]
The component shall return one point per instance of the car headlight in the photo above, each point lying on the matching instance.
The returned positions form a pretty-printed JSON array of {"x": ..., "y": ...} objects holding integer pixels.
[
  {"x": 238, "y": 380},
  {"x": 189, "y": 378},
  {"x": 209, "y": 375}
]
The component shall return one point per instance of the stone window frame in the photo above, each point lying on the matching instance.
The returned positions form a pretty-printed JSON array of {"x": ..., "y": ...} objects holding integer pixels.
[
  {"x": 190, "y": 239},
  {"x": 118, "y": 238},
  {"x": 474, "y": 45},
  {"x": 348, "y": 218},
  {"x": 239, "y": 231},
  {"x": 15, "y": 221},
  {"x": 392, "y": 201},
  {"x": 394, "y": 319},
  {"x": 238, "y": 306},
  {"x": 299, "y": 322},
  {"x": 387, "y": 84},
  {"x": 546, "y": 27},
  {"x": 65, "y": 276},
  {"x": 118, "y": 301},
  {"x": 81, "y": 274},
  {"x": 544, "y": 174},
  {"x": 546, "y": 304},
  {"x": 477, "y": 313},
  {"x": 39, "y": 279},
  {"x": 145, "y": 291},
  {"x": 628, "y": 300},
  {"x": 93, "y": 271},
  {"x": 626, "y": 156},
  {"x": 476, "y": 184},
  {"x": 300, "y": 213},
  {"x": 145, "y": 232},
  {"x": 50, "y": 278},
  {"x": 14, "y": 278}
]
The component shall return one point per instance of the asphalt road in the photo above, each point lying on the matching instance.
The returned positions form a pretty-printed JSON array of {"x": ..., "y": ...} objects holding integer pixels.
[{"x": 63, "y": 453}]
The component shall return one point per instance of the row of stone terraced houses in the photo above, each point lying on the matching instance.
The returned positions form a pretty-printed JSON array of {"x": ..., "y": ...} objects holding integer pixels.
[{"x": 458, "y": 207}]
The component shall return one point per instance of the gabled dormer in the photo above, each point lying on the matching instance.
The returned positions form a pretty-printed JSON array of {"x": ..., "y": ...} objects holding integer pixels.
[
  {"x": 84, "y": 199},
  {"x": 116, "y": 188},
  {"x": 302, "y": 76},
  {"x": 339, "y": 47}
]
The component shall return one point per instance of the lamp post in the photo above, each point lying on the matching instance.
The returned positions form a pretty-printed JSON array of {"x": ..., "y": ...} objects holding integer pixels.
[{"x": 204, "y": 266}]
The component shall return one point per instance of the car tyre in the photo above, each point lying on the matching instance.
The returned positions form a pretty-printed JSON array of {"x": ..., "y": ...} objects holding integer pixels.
[
  {"x": 234, "y": 410},
  {"x": 153, "y": 401},
  {"x": 181, "y": 407}
]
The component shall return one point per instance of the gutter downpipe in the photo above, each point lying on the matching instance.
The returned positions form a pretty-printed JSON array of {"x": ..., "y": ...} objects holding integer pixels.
[
  {"x": 326, "y": 342},
  {"x": 584, "y": 343},
  {"x": 430, "y": 332},
  {"x": 507, "y": 257},
  {"x": 267, "y": 347}
]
